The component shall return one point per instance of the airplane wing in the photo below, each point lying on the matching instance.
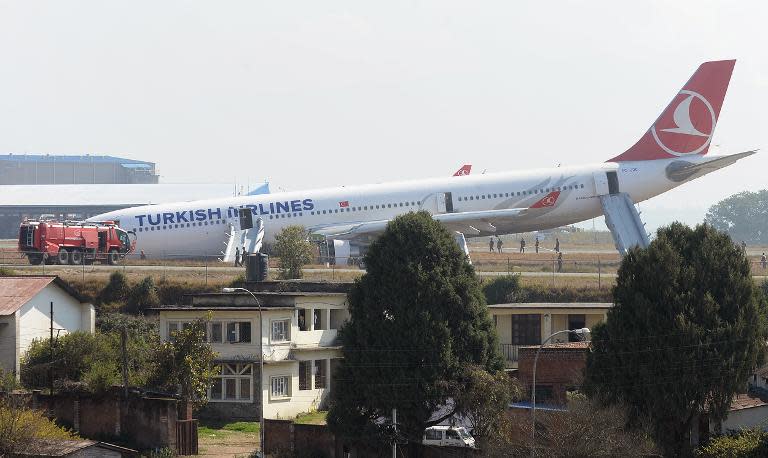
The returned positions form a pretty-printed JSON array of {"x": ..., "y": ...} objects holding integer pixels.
[{"x": 470, "y": 223}]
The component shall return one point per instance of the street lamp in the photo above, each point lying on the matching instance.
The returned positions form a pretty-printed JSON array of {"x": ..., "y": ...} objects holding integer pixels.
[
  {"x": 580, "y": 332},
  {"x": 261, "y": 364}
]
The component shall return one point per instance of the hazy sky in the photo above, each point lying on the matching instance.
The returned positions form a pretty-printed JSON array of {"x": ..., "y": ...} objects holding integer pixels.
[{"x": 318, "y": 93}]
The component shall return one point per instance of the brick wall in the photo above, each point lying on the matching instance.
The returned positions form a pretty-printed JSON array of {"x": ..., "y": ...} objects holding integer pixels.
[
  {"x": 143, "y": 422},
  {"x": 560, "y": 366}
]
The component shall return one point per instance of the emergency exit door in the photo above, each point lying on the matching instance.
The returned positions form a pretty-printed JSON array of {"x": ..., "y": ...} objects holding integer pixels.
[{"x": 444, "y": 202}]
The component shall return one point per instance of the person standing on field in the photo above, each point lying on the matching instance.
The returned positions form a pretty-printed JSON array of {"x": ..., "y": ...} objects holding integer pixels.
[
  {"x": 537, "y": 245},
  {"x": 522, "y": 245},
  {"x": 490, "y": 244},
  {"x": 557, "y": 245},
  {"x": 499, "y": 245}
]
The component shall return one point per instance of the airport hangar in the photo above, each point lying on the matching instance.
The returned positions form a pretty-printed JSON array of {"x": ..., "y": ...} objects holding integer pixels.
[{"x": 78, "y": 187}]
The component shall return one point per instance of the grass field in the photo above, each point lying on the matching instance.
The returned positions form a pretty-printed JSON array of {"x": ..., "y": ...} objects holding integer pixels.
[
  {"x": 236, "y": 439},
  {"x": 312, "y": 418}
]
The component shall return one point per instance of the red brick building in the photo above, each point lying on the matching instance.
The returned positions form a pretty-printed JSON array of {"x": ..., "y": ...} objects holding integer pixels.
[{"x": 560, "y": 369}]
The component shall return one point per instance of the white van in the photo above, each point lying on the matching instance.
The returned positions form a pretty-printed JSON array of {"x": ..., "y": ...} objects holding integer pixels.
[{"x": 448, "y": 436}]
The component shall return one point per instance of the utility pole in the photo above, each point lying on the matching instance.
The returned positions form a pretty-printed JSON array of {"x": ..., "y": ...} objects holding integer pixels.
[
  {"x": 394, "y": 429},
  {"x": 123, "y": 344},
  {"x": 50, "y": 366}
]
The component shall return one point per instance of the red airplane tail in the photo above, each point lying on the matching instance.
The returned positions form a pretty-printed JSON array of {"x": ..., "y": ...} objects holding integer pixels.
[
  {"x": 688, "y": 123},
  {"x": 464, "y": 170}
]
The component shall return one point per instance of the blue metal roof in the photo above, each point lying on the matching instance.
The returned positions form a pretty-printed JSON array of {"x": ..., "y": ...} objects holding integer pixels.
[{"x": 71, "y": 158}]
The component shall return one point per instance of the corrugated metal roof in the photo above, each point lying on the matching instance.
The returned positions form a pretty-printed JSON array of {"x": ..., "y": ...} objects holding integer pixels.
[
  {"x": 17, "y": 291},
  {"x": 553, "y": 305},
  {"x": 87, "y": 158},
  {"x": 127, "y": 195}
]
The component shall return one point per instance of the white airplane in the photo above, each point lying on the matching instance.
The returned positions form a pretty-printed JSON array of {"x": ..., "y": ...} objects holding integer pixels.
[{"x": 671, "y": 152}]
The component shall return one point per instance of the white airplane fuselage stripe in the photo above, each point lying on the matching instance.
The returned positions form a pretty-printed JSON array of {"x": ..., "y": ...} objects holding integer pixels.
[{"x": 197, "y": 227}]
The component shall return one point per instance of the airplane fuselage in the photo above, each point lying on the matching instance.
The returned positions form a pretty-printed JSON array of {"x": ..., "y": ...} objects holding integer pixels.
[{"x": 196, "y": 228}]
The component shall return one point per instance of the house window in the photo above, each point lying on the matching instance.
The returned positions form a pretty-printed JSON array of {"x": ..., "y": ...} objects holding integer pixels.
[
  {"x": 305, "y": 375},
  {"x": 302, "y": 320},
  {"x": 526, "y": 329},
  {"x": 281, "y": 330},
  {"x": 577, "y": 321},
  {"x": 279, "y": 386},
  {"x": 175, "y": 326},
  {"x": 215, "y": 332},
  {"x": 233, "y": 382},
  {"x": 238, "y": 331},
  {"x": 319, "y": 373},
  {"x": 544, "y": 394}
]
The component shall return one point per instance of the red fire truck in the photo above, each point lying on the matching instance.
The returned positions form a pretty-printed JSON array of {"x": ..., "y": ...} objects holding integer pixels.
[{"x": 73, "y": 242}]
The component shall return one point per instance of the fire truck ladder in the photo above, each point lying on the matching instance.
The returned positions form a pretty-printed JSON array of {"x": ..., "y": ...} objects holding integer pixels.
[{"x": 624, "y": 221}]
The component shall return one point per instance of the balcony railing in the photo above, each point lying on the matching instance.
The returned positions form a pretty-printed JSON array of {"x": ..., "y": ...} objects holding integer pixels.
[{"x": 510, "y": 352}]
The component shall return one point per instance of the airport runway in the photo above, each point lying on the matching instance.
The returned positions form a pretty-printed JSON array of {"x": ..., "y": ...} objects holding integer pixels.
[{"x": 237, "y": 270}]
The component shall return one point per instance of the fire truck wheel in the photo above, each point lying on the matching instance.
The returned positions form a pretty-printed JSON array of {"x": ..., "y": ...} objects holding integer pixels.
[
  {"x": 76, "y": 257},
  {"x": 35, "y": 258},
  {"x": 113, "y": 257},
  {"x": 63, "y": 257}
]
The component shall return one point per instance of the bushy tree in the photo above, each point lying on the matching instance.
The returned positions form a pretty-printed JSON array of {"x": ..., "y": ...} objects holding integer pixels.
[
  {"x": 686, "y": 331},
  {"x": 502, "y": 290},
  {"x": 116, "y": 289},
  {"x": 94, "y": 359},
  {"x": 73, "y": 355},
  {"x": 294, "y": 250},
  {"x": 142, "y": 296},
  {"x": 418, "y": 320},
  {"x": 587, "y": 428},
  {"x": 184, "y": 364},
  {"x": 485, "y": 399},
  {"x": 749, "y": 443},
  {"x": 744, "y": 216},
  {"x": 20, "y": 427}
]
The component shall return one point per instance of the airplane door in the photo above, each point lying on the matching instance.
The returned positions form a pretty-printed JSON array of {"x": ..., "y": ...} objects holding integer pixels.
[
  {"x": 444, "y": 202},
  {"x": 613, "y": 182},
  {"x": 448, "y": 200},
  {"x": 601, "y": 183}
]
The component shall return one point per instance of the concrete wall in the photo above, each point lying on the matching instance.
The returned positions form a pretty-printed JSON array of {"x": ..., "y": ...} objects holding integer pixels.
[
  {"x": 68, "y": 314},
  {"x": 746, "y": 418},
  {"x": 9, "y": 355}
]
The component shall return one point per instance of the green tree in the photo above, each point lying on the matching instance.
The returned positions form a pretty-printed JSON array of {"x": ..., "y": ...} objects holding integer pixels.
[
  {"x": 744, "y": 216},
  {"x": 115, "y": 291},
  {"x": 95, "y": 359},
  {"x": 73, "y": 355},
  {"x": 586, "y": 429},
  {"x": 686, "y": 331},
  {"x": 141, "y": 296},
  {"x": 486, "y": 398},
  {"x": 293, "y": 248},
  {"x": 20, "y": 427},
  {"x": 749, "y": 443},
  {"x": 502, "y": 290},
  {"x": 418, "y": 319},
  {"x": 184, "y": 364}
]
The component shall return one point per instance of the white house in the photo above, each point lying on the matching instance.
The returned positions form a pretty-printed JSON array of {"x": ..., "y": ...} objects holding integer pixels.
[
  {"x": 299, "y": 344},
  {"x": 25, "y": 314}
]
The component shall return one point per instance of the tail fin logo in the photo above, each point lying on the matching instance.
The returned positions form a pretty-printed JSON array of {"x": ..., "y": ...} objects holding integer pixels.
[{"x": 694, "y": 118}]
